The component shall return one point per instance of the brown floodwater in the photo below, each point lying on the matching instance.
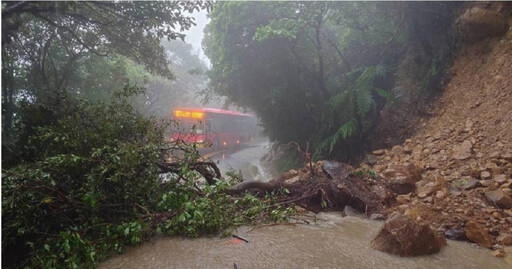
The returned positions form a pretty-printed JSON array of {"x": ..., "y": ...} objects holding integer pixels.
[{"x": 330, "y": 242}]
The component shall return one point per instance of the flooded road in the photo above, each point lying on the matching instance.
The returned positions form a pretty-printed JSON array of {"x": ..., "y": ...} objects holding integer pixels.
[
  {"x": 330, "y": 241},
  {"x": 333, "y": 243}
]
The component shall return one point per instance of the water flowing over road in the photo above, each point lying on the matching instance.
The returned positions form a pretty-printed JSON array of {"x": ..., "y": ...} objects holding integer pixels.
[{"x": 328, "y": 241}]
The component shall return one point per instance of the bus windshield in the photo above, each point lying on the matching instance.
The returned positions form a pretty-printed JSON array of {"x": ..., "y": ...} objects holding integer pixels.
[{"x": 190, "y": 126}]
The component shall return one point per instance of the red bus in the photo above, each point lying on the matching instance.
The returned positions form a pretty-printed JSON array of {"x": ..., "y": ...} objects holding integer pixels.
[{"x": 213, "y": 127}]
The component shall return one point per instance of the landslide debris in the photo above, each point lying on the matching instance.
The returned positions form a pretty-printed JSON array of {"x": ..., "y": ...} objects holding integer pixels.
[
  {"x": 327, "y": 185},
  {"x": 464, "y": 150}
]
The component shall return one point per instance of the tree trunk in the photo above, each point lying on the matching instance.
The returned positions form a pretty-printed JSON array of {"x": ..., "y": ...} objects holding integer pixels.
[{"x": 321, "y": 71}]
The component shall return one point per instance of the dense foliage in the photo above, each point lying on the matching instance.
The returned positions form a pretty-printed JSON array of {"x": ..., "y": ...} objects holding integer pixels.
[
  {"x": 321, "y": 72},
  {"x": 90, "y": 185},
  {"x": 84, "y": 47},
  {"x": 83, "y": 162}
]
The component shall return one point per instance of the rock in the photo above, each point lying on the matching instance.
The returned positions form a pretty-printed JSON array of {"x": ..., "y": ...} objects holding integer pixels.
[
  {"x": 402, "y": 236},
  {"x": 500, "y": 179},
  {"x": 499, "y": 199},
  {"x": 507, "y": 185},
  {"x": 379, "y": 152},
  {"x": 376, "y": 216},
  {"x": 423, "y": 194},
  {"x": 455, "y": 234},
  {"x": 476, "y": 233},
  {"x": 485, "y": 183},
  {"x": 470, "y": 184},
  {"x": 293, "y": 180},
  {"x": 485, "y": 175},
  {"x": 441, "y": 194},
  {"x": 402, "y": 179},
  {"x": 336, "y": 169},
  {"x": 463, "y": 151},
  {"x": 370, "y": 159},
  {"x": 507, "y": 157},
  {"x": 505, "y": 239},
  {"x": 478, "y": 23},
  {"x": 499, "y": 253},
  {"x": 407, "y": 150},
  {"x": 397, "y": 149},
  {"x": 474, "y": 173}
]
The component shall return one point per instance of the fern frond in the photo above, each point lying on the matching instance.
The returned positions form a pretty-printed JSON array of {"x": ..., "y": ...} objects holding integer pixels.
[
  {"x": 346, "y": 130},
  {"x": 364, "y": 101}
]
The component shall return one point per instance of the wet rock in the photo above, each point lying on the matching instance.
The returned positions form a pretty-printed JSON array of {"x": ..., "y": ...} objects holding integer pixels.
[
  {"x": 505, "y": 239},
  {"x": 455, "y": 234},
  {"x": 402, "y": 236},
  {"x": 463, "y": 151},
  {"x": 499, "y": 253},
  {"x": 476, "y": 233},
  {"x": 499, "y": 199},
  {"x": 351, "y": 212}
]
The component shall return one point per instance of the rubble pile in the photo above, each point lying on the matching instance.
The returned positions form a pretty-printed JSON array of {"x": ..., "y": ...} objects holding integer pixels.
[{"x": 460, "y": 162}]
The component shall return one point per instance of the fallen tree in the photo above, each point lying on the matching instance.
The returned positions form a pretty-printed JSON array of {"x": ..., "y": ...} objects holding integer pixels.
[{"x": 326, "y": 185}]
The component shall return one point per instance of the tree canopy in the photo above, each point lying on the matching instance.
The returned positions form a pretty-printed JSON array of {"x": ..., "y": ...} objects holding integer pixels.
[{"x": 317, "y": 72}]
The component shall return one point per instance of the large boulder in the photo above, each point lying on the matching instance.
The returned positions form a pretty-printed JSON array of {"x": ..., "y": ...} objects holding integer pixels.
[
  {"x": 499, "y": 198},
  {"x": 476, "y": 233},
  {"x": 403, "y": 236}
]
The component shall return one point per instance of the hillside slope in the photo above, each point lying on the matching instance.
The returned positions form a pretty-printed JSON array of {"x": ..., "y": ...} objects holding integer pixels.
[{"x": 464, "y": 151}]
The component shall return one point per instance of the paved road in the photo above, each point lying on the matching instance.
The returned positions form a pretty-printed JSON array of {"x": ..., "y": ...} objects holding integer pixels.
[{"x": 246, "y": 159}]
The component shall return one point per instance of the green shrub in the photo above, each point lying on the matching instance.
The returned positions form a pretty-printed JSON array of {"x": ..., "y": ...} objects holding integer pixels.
[{"x": 91, "y": 186}]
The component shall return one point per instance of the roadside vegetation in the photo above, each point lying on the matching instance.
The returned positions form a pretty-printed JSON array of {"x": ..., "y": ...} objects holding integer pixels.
[
  {"x": 87, "y": 169},
  {"x": 90, "y": 185}
]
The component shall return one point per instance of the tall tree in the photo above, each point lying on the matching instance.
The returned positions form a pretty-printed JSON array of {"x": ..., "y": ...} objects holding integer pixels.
[{"x": 47, "y": 40}]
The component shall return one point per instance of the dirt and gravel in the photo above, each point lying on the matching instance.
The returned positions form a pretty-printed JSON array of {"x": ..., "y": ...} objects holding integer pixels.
[{"x": 464, "y": 152}]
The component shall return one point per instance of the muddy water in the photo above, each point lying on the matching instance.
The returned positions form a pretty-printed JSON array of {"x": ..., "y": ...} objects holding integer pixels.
[{"x": 333, "y": 242}]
